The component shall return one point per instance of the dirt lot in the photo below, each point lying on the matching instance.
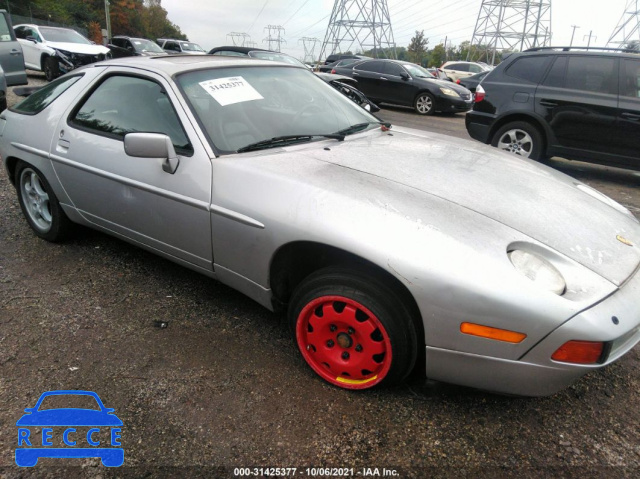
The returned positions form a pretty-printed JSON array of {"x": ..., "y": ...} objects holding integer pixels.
[{"x": 223, "y": 386}]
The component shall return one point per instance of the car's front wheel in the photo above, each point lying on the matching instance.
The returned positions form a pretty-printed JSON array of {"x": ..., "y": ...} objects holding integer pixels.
[
  {"x": 352, "y": 329},
  {"x": 520, "y": 138},
  {"x": 425, "y": 104},
  {"x": 51, "y": 68},
  {"x": 40, "y": 205}
]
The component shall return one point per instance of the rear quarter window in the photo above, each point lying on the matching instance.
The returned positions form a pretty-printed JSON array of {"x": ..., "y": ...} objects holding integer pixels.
[
  {"x": 39, "y": 100},
  {"x": 529, "y": 69}
]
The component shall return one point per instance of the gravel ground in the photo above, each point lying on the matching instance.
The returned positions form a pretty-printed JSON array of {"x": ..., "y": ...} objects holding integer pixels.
[{"x": 222, "y": 386}]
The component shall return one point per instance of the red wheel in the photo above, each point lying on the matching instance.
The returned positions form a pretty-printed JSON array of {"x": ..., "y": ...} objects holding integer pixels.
[{"x": 353, "y": 331}]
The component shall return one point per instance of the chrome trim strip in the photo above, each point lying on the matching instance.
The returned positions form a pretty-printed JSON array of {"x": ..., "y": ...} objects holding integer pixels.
[
  {"x": 29, "y": 149},
  {"x": 233, "y": 215},
  {"x": 201, "y": 205}
]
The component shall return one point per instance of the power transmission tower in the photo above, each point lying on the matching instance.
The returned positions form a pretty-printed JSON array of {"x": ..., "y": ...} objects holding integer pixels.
[
  {"x": 239, "y": 39},
  {"x": 363, "y": 23},
  {"x": 274, "y": 37},
  {"x": 628, "y": 28},
  {"x": 309, "y": 45},
  {"x": 512, "y": 25}
]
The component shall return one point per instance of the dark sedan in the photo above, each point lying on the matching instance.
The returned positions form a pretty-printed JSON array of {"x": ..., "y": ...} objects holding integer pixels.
[
  {"x": 123, "y": 46},
  {"x": 472, "y": 82},
  {"x": 404, "y": 83}
]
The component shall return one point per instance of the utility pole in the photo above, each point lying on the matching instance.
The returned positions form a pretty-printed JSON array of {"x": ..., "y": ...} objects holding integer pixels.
[
  {"x": 309, "y": 45},
  {"x": 511, "y": 26},
  {"x": 358, "y": 26},
  {"x": 274, "y": 36},
  {"x": 106, "y": 11},
  {"x": 573, "y": 33},
  {"x": 590, "y": 34},
  {"x": 628, "y": 28},
  {"x": 239, "y": 39}
]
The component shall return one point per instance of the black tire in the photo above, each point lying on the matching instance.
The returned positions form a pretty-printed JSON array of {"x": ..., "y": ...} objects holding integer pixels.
[
  {"x": 40, "y": 205},
  {"x": 520, "y": 138},
  {"x": 424, "y": 104},
  {"x": 315, "y": 318},
  {"x": 51, "y": 68}
]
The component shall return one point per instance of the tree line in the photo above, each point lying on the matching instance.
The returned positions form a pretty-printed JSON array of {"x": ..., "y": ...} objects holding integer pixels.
[{"x": 137, "y": 18}]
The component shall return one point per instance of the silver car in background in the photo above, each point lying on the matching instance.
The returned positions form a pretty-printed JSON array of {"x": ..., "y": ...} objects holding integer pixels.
[{"x": 386, "y": 248}]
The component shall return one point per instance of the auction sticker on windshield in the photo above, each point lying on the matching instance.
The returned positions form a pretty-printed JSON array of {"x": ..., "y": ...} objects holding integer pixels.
[{"x": 230, "y": 90}]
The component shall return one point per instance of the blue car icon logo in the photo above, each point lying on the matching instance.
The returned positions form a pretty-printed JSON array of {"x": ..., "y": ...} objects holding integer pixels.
[{"x": 98, "y": 422}]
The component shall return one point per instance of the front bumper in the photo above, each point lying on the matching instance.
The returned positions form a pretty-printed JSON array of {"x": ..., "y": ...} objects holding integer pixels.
[
  {"x": 535, "y": 373},
  {"x": 447, "y": 103},
  {"x": 71, "y": 61}
]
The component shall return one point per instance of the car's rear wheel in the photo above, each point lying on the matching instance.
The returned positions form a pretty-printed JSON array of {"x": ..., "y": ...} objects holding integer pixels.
[
  {"x": 51, "y": 68},
  {"x": 40, "y": 205},
  {"x": 353, "y": 330},
  {"x": 520, "y": 138},
  {"x": 425, "y": 104}
]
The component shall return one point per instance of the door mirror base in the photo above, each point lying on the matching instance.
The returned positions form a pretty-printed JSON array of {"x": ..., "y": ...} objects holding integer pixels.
[{"x": 152, "y": 145}]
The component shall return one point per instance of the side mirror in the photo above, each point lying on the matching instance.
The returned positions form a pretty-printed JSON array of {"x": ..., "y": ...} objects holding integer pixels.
[
  {"x": 152, "y": 145},
  {"x": 33, "y": 39},
  {"x": 405, "y": 76}
]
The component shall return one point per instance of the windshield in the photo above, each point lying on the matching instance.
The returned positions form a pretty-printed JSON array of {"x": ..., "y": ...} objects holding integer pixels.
[
  {"x": 417, "y": 71},
  {"x": 191, "y": 47},
  {"x": 62, "y": 35},
  {"x": 277, "y": 57},
  {"x": 143, "y": 45},
  {"x": 240, "y": 106}
]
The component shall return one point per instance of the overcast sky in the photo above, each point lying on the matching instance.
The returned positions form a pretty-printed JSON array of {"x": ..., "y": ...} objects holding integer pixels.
[{"x": 208, "y": 22}]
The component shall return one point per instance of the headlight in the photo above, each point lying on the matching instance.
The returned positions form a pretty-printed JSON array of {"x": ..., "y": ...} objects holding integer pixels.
[
  {"x": 64, "y": 54},
  {"x": 543, "y": 274},
  {"x": 449, "y": 92}
]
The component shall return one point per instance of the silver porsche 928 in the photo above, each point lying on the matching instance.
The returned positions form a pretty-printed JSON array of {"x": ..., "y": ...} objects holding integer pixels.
[{"x": 386, "y": 247}]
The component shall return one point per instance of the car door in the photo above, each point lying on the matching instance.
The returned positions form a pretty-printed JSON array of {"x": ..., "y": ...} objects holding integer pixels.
[
  {"x": 368, "y": 75},
  {"x": 627, "y": 131},
  {"x": 398, "y": 90},
  {"x": 11, "y": 53},
  {"x": 135, "y": 197},
  {"x": 579, "y": 101},
  {"x": 457, "y": 70}
]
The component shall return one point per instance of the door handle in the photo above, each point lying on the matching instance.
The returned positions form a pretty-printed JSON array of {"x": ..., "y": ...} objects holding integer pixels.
[
  {"x": 63, "y": 146},
  {"x": 630, "y": 116},
  {"x": 356, "y": 74},
  {"x": 548, "y": 103},
  {"x": 15, "y": 52},
  {"x": 383, "y": 78}
]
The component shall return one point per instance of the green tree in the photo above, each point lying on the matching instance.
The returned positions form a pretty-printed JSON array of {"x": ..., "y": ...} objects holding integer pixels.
[
  {"x": 437, "y": 56},
  {"x": 417, "y": 49}
]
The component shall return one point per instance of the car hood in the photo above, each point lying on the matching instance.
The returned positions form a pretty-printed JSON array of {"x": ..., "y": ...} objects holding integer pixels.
[
  {"x": 533, "y": 199},
  {"x": 445, "y": 84},
  {"x": 79, "y": 48},
  {"x": 69, "y": 417}
]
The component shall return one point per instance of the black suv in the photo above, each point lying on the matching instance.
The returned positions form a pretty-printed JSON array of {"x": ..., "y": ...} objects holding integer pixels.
[{"x": 577, "y": 104}]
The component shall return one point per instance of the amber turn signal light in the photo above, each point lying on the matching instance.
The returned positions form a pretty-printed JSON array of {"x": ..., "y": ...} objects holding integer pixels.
[
  {"x": 492, "y": 333},
  {"x": 579, "y": 352}
]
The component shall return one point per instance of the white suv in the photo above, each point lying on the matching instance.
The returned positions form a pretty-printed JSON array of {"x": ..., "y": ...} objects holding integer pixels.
[
  {"x": 56, "y": 50},
  {"x": 457, "y": 70}
]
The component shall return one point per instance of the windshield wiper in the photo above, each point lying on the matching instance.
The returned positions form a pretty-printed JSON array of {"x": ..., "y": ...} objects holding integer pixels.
[
  {"x": 361, "y": 126},
  {"x": 286, "y": 140}
]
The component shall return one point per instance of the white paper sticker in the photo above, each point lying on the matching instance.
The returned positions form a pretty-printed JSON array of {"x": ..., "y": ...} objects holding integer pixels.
[{"x": 227, "y": 91}]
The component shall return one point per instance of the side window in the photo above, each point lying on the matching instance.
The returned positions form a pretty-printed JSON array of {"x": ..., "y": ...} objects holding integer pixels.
[
  {"x": 529, "y": 69},
  {"x": 39, "y": 100},
  {"x": 126, "y": 104},
  {"x": 393, "y": 69},
  {"x": 228, "y": 53},
  {"x": 460, "y": 67},
  {"x": 31, "y": 32},
  {"x": 5, "y": 32},
  {"x": 374, "y": 67},
  {"x": 475, "y": 68},
  {"x": 172, "y": 46},
  {"x": 630, "y": 81},
  {"x": 593, "y": 74},
  {"x": 555, "y": 77},
  {"x": 20, "y": 32}
]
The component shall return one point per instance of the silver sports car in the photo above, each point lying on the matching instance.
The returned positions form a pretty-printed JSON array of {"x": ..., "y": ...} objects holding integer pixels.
[{"x": 387, "y": 248}]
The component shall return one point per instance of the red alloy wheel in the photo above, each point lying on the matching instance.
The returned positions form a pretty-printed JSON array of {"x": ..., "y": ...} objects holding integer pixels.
[{"x": 344, "y": 342}]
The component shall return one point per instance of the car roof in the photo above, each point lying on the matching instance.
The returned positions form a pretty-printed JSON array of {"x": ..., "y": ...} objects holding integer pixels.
[
  {"x": 611, "y": 52},
  {"x": 173, "y": 64}
]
